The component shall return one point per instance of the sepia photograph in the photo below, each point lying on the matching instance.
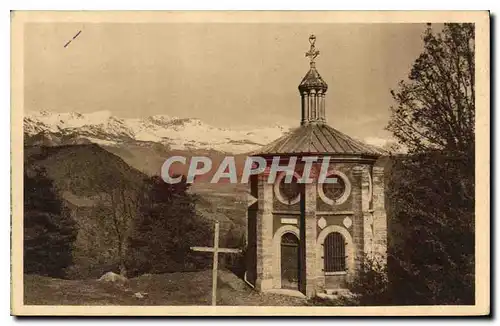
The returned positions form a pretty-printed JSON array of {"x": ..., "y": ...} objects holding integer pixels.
[{"x": 250, "y": 163}]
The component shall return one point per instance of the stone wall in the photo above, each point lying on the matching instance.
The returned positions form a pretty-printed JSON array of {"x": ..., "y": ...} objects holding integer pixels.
[
  {"x": 379, "y": 216},
  {"x": 366, "y": 236},
  {"x": 264, "y": 253}
]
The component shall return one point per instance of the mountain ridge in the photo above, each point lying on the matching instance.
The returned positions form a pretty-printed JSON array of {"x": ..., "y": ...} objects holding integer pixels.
[{"x": 103, "y": 128}]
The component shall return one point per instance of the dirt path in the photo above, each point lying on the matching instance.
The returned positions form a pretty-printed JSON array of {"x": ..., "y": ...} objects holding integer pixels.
[{"x": 188, "y": 288}]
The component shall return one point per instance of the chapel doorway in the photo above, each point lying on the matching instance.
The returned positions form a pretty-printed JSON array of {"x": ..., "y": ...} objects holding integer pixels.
[{"x": 290, "y": 268}]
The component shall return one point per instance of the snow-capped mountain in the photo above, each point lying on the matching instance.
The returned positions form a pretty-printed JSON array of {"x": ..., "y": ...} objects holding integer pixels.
[{"x": 178, "y": 133}]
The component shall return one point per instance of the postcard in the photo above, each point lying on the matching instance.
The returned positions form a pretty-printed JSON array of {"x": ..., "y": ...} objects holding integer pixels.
[{"x": 250, "y": 163}]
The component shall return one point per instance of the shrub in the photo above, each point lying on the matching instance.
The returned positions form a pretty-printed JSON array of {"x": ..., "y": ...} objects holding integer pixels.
[{"x": 371, "y": 284}]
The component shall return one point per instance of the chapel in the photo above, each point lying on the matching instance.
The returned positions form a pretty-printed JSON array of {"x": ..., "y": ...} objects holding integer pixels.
[{"x": 313, "y": 237}]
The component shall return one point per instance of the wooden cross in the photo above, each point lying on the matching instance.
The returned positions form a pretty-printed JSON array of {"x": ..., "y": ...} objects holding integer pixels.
[{"x": 216, "y": 250}]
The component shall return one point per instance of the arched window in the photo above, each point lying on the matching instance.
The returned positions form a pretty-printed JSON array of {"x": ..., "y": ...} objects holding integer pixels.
[{"x": 335, "y": 257}]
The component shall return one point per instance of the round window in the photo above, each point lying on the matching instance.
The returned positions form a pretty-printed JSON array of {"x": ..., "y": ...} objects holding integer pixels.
[
  {"x": 287, "y": 192},
  {"x": 335, "y": 190},
  {"x": 335, "y": 193}
]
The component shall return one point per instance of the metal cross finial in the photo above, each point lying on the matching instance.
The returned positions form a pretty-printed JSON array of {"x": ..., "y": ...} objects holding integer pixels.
[{"x": 312, "y": 53}]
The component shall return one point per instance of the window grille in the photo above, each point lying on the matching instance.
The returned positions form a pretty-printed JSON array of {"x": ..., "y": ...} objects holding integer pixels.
[{"x": 335, "y": 257}]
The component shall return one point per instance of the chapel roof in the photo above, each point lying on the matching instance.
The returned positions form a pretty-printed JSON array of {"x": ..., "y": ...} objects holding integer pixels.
[{"x": 318, "y": 139}]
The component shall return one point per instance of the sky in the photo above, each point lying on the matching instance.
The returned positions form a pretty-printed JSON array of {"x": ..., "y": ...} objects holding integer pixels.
[{"x": 227, "y": 74}]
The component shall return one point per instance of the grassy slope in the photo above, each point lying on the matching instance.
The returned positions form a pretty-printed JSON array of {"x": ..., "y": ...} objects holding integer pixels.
[
  {"x": 83, "y": 170},
  {"x": 192, "y": 288},
  {"x": 229, "y": 200}
]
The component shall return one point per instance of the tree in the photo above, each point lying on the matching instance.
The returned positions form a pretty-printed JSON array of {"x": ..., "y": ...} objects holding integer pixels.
[
  {"x": 49, "y": 231},
  {"x": 166, "y": 229},
  {"x": 431, "y": 191},
  {"x": 121, "y": 205},
  {"x": 436, "y": 107}
]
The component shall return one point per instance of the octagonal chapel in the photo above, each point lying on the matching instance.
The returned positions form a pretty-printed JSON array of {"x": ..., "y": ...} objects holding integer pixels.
[{"x": 312, "y": 237}]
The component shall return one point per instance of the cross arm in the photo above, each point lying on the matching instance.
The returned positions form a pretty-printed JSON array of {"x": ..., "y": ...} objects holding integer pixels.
[
  {"x": 229, "y": 250},
  {"x": 219, "y": 250},
  {"x": 207, "y": 249}
]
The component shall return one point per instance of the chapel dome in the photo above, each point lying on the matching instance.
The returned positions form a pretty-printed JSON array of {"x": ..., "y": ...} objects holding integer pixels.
[{"x": 313, "y": 81}]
